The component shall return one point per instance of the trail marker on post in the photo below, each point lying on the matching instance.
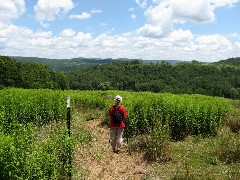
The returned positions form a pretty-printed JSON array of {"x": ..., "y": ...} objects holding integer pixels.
[
  {"x": 68, "y": 115},
  {"x": 69, "y": 133}
]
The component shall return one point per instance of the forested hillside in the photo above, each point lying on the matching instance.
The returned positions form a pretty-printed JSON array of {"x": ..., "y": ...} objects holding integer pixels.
[
  {"x": 193, "y": 77},
  {"x": 67, "y": 65},
  {"x": 230, "y": 61},
  {"x": 214, "y": 79},
  {"x": 71, "y": 65},
  {"x": 30, "y": 75}
]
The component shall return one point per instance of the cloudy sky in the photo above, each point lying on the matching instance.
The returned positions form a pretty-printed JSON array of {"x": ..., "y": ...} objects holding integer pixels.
[{"x": 203, "y": 30}]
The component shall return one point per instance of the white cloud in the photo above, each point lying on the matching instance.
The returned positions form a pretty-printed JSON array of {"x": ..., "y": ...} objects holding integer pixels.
[
  {"x": 179, "y": 44},
  {"x": 44, "y": 24},
  {"x": 151, "y": 31},
  {"x": 159, "y": 22},
  {"x": 210, "y": 40},
  {"x": 237, "y": 44},
  {"x": 25, "y": 42},
  {"x": 131, "y": 9},
  {"x": 42, "y": 34},
  {"x": 221, "y": 3},
  {"x": 141, "y": 3},
  {"x": 13, "y": 32},
  {"x": 213, "y": 45},
  {"x": 110, "y": 41},
  {"x": 160, "y": 14},
  {"x": 133, "y": 16},
  {"x": 81, "y": 40},
  {"x": 68, "y": 33},
  {"x": 83, "y": 37},
  {"x": 11, "y": 9},
  {"x": 233, "y": 35},
  {"x": 157, "y": 1},
  {"x": 84, "y": 15},
  {"x": 181, "y": 36},
  {"x": 143, "y": 42},
  {"x": 215, "y": 3},
  {"x": 161, "y": 17},
  {"x": 94, "y": 11},
  {"x": 103, "y": 24},
  {"x": 49, "y": 10},
  {"x": 197, "y": 11}
]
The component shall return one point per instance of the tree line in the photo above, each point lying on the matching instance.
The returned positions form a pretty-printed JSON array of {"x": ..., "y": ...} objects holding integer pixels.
[
  {"x": 66, "y": 65},
  {"x": 30, "y": 75},
  {"x": 213, "y": 79},
  {"x": 185, "y": 77}
]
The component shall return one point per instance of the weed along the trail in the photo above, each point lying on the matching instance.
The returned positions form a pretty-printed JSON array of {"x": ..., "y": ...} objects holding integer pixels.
[{"x": 97, "y": 157}]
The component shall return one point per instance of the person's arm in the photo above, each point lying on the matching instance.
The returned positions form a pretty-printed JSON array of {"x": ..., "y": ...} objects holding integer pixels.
[
  {"x": 110, "y": 113},
  {"x": 124, "y": 114},
  {"x": 109, "y": 116}
]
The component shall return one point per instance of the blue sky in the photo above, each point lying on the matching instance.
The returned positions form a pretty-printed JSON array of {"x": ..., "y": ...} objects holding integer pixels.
[{"x": 203, "y": 30}]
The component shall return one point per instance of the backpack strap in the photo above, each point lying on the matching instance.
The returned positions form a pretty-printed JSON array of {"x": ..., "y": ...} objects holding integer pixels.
[{"x": 116, "y": 106}]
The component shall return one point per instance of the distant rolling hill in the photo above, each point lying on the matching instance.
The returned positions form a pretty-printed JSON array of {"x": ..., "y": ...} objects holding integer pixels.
[
  {"x": 66, "y": 65},
  {"x": 70, "y": 65},
  {"x": 169, "y": 61},
  {"x": 231, "y": 61}
]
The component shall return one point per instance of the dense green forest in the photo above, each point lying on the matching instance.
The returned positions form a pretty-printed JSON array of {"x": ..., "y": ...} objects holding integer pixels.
[
  {"x": 30, "y": 75},
  {"x": 230, "y": 61},
  {"x": 71, "y": 65},
  {"x": 186, "y": 77},
  {"x": 67, "y": 65},
  {"x": 214, "y": 79}
]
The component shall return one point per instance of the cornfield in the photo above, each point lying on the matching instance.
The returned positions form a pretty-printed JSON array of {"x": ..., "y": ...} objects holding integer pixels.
[{"x": 22, "y": 155}]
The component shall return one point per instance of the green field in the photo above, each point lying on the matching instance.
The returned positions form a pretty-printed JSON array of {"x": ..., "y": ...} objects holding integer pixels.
[{"x": 190, "y": 133}]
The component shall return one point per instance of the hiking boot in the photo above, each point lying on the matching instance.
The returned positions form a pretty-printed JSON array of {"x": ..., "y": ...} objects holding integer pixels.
[{"x": 117, "y": 151}]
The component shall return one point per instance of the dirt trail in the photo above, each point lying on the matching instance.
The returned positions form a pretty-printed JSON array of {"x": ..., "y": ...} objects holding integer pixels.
[{"x": 101, "y": 163}]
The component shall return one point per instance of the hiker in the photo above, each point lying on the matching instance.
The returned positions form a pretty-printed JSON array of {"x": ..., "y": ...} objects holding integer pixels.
[{"x": 117, "y": 116}]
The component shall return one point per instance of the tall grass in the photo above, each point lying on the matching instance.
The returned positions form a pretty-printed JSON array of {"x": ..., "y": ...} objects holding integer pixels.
[
  {"x": 25, "y": 154},
  {"x": 227, "y": 146},
  {"x": 158, "y": 116},
  {"x": 21, "y": 156},
  {"x": 36, "y": 106},
  {"x": 185, "y": 114},
  {"x": 158, "y": 145}
]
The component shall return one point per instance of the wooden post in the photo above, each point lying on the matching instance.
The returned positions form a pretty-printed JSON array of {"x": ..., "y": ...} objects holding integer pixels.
[
  {"x": 69, "y": 133},
  {"x": 68, "y": 116}
]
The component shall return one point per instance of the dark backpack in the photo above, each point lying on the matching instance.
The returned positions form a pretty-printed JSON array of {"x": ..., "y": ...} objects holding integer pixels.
[{"x": 117, "y": 116}]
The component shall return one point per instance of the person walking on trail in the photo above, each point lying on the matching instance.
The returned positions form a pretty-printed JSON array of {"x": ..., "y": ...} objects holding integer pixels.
[{"x": 117, "y": 116}]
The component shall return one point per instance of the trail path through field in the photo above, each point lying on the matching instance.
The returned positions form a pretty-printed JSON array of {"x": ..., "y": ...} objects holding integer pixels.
[{"x": 100, "y": 162}]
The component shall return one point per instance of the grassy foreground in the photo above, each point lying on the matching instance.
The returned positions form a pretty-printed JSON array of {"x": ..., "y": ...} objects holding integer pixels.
[
  {"x": 169, "y": 136},
  {"x": 194, "y": 157}
]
